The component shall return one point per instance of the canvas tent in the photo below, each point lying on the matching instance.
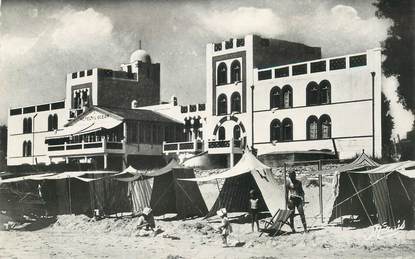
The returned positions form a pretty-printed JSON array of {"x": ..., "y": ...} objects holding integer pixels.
[
  {"x": 249, "y": 173},
  {"x": 386, "y": 191},
  {"x": 139, "y": 188},
  {"x": 172, "y": 196},
  {"x": 79, "y": 192}
]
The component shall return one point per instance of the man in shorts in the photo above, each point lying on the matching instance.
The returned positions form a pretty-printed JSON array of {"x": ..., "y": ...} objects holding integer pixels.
[{"x": 295, "y": 199}]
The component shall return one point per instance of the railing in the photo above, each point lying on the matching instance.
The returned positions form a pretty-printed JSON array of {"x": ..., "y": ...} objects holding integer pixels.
[
  {"x": 189, "y": 146},
  {"x": 86, "y": 145},
  {"x": 224, "y": 143}
]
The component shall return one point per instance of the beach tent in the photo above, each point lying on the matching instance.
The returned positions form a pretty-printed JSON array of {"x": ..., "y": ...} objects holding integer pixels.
[
  {"x": 79, "y": 192},
  {"x": 139, "y": 188},
  {"x": 249, "y": 173},
  {"x": 172, "y": 196},
  {"x": 386, "y": 191}
]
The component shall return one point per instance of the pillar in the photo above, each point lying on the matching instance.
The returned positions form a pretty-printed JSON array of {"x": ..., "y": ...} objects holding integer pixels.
[{"x": 105, "y": 161}]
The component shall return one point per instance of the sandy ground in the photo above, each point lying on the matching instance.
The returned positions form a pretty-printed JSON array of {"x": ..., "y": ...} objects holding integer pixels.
[{"x": 81, "y": 237}]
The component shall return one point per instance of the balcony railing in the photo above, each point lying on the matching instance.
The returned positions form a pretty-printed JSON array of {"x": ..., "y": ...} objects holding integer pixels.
[
  {"x": 86, "y": 145},
  {"x": 177, "y": 147},
  {"x": 224, "y": 143}
]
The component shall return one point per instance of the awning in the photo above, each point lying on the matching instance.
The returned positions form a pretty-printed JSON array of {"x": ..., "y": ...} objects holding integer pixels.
[
  {"x": 35, "y": 177},
  {"x": 173, "y": 164},
  {"x": 57, "y": 176},
  {"x": 247, "y": 164},
  {"x": 84, "y": 127},
  {"x": 363, "y": 161}
]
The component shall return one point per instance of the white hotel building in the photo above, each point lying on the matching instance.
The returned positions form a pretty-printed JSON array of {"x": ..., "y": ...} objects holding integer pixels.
[{"x": 278, "y": 96}]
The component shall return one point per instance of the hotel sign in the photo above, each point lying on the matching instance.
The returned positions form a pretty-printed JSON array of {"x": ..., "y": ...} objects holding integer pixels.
[{"x": 93, "y": 116}]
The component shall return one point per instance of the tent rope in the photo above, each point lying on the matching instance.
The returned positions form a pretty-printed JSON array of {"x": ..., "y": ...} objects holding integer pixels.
[
  {"x": 406, "y": 191},
  {"x": 362, "y": 190},
  {"x": 364, "y": 207}
]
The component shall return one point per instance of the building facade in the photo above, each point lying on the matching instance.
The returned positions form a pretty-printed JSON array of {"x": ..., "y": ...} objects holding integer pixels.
[{"x": 277, "y": 96}]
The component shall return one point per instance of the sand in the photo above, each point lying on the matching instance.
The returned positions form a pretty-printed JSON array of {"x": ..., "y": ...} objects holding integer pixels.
[{"x": 81, "y": 237}]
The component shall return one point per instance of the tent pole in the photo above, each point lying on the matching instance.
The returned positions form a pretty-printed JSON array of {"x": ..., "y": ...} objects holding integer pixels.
[
  {"x": 364, "y": 208},
  {"x": 70, "y": 198},
  {"x": 285, "y": 185},
  {"x": 320, "y": 191}
]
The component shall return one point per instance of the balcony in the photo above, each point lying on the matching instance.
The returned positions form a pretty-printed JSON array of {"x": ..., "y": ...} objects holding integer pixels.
[
  {"x": 85, "y": 148},
  {"x": 225, "y": 146},
  {"x": 183, "y": 147}
]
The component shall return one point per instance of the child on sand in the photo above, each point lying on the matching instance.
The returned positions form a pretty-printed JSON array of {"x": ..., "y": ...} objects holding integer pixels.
[{"x": 225, "y": 228}]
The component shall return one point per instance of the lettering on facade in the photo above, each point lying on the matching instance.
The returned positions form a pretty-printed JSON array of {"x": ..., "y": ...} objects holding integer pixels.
[{"x": 95, "y": 116}]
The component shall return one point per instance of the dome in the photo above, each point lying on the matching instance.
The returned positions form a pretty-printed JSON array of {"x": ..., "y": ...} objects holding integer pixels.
[{"x": 140, "y": 55}]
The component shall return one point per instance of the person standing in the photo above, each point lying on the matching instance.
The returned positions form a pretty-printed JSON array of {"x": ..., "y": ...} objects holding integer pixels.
[
  {"x": 295, "y": 199},
  {"x": 253, "y": 206}
]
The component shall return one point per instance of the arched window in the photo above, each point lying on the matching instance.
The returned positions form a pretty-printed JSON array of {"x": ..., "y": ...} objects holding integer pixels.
[
  {"x": 221, "y": 133},
  {"x": 275, "y": 130},
  {"x": 235, "y": 71},
  {"x": 29, "y": 148},
  {"x": 312, "y": 127},
  {"x": 312, "y": 95},
  {"x": 29, "y": 125},
  {"x": 236, "y": 132},
  {"x": 25, "y": 125},
  {"x": 55, "y": 121},
  {"x": 24, "y": 148},
  {"x": 275, "y": 97},
  {"x": 325, "y": 126},
  {"x": 287, "y": 95},
  {"x": 50, "y": 122},
  {"x": 222, "y": 74},
  {"x": 325, "y": 92},
  {"x": 235, "y": 102},
  {"x": 287, "y": 129},
  {"x": 222, "y": 105}
]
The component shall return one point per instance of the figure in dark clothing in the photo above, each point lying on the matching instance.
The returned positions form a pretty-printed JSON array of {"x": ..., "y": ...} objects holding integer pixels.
[
  {"x": 253, "y": 206},
  {"x": 295, "y": 199}
]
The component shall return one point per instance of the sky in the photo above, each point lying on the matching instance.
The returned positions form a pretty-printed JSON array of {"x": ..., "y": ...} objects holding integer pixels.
[{"x": 41, "y": 41}]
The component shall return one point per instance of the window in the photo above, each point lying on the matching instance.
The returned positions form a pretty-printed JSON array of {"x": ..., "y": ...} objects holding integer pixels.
[
  {"x": 222, "y": 105},
  {"x": 27, "y": 125},
  {"x": 338, "y": 63},
  {"x": 235, "y": 71},
  {"x": 312, "y": 95},
  {"x": 29, "y": 148},
  {"x": 52, "y": 122},
  {"x": 222, "y": 74},
  {"x": 312, "y": 127},
  {"x": 318, "y": 66},
  {"x": 275, "y": 97},
  {"x": 89, "y": 72},
  {"x": 287, "y": 130},
  {"x": 236, "y": 102},
  {"x": 325, "y": 93},
  {"x": 264, "y": 75},
  {"x": 129, "y": 69},
  {"x": 81, "y": 73},
  {"x": 357, "y": 61},
  {"x": 299, "y": 69},
  {"x": 287, "y": 94},
  {"x": 275, "y": 130},
  {"x": 282, "y": 72},
  {"x": 325, "y": 126},
  {"x": 221, "y": 133},
  {"x": 74, "y": 75},
  {"x": 218, "y": 46},
  {"x": 24, "y": 148},
  {"x": 236, "y": 132}
]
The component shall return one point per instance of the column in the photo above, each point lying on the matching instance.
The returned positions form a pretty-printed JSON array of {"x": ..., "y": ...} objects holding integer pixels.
[{"x": 105, "y": 161}]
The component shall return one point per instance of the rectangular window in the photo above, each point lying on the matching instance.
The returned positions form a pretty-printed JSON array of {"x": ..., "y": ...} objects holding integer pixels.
[
  {"x": 202, "y": 106},
  {"x": 319, "y": 66},
  {"x": 58, "y": 105},
  {"x": 264, "y": 75},
  {"x": 44, "y": 107},
  {"x": 15, "y": 111},
  {"x": 229, "y": 44},
  {"x": 89, "y": 72},
  {"x": 81, "y": 73},
  {"x": 129, "y": 69},
  {"x": 282, "y": 72},
  {"x": 183, "y": 109},
  {"x": 358, "y": 61},
  {"x": 29, "y": 109},
  {"x": 338, "y": 63},
  {"x": 300, "y": 69},
  {"x": 192, "y": 107},
  {"x": 240, "y": 42},
  {"x": 141, "y": 132},
  {"x": 218, "y": 46},
  {"x": 74, "y": 75}
]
